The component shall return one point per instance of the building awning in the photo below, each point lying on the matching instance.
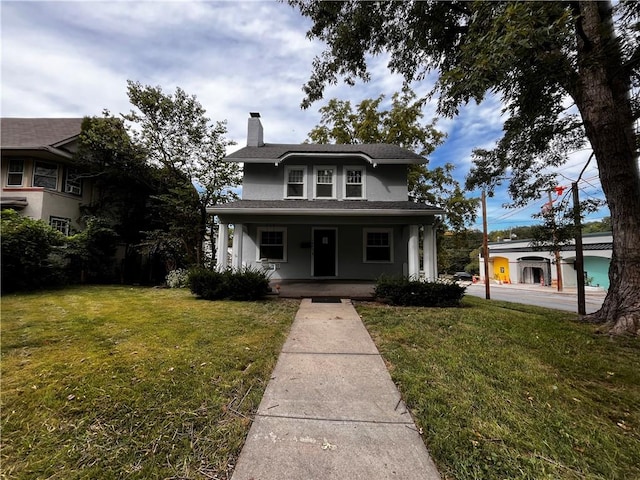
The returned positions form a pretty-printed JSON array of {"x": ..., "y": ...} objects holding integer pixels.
[{"x": 17, "y": 203}]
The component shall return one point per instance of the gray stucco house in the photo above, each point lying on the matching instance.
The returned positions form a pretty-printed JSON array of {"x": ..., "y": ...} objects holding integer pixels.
[
  {"x": 39, "y": 178},
  {"x": 312, "y": 211}
]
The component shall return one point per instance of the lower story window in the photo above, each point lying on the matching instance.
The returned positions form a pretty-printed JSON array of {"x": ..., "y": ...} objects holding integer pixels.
[
  {"x": 378, "y": 245},
  {"x": 61, "y": 224},
  {"x": 272, "y": 244}
]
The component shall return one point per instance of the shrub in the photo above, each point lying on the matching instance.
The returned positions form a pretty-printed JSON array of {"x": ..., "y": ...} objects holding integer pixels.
[
  {"x": 28, "y": 253},
  {"x": 405, "y": 292},
  {"x": 90, "y": 253},
  {"x": 178, "y": 278},
  {"x": 207, "y": 284},
  {"x": 245, "y": 284}
]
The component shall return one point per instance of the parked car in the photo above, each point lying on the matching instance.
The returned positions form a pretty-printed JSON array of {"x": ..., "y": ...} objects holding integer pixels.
[{"x": 463, "y": 276}]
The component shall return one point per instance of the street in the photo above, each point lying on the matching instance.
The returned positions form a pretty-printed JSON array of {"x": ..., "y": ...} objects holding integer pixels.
[{"x": 547, "y": 297}]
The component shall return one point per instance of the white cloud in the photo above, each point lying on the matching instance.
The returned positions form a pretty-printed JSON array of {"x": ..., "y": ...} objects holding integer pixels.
[{"x": 73, "y": 59}]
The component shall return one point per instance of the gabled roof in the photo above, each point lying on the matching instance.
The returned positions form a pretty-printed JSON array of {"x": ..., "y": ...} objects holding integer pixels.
[
  {"x": 38, "y": 133},
  {"x": 375, "y": 153}
]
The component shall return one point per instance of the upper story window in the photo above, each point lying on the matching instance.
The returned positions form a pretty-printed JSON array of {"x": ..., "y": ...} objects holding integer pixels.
[
  {"x": 73, "y": 181},
  {"x": 296, "y": 186},
  {"x": 354, "y": 182},
  {"x": 15, "y": 173},
  {"x": 45, "y": 175},
  {"x": 325, "y": 182}
]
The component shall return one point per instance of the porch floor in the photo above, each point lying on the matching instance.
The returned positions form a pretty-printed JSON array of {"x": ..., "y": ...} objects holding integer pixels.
[{"x": 353, "y": 289}]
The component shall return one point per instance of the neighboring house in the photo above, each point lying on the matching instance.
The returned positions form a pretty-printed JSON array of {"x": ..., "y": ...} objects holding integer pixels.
[
  {"x": 517, "y": 262},
  {"x": 38, "y": 177},
  {"x": 312, "y": 211}
]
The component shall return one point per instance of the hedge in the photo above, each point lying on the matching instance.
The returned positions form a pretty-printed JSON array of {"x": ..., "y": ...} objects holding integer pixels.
[
  {"x": 405, "y": 292},
  {"x": 246, "y": 284}
]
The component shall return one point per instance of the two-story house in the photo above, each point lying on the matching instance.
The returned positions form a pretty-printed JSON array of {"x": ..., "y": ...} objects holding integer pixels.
[
  {"x": 38, "y": 176},
  {"x": 312, "y": 211}
]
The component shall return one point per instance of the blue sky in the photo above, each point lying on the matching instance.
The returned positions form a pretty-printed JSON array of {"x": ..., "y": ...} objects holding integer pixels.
[{"x": 71, "y": 59}]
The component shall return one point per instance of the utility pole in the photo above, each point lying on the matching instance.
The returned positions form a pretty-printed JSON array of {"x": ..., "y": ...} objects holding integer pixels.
[
  {"x": 582, "y": 310},
  {"x": 485, "y": 246},
  {"x": 556, "y": 250}
]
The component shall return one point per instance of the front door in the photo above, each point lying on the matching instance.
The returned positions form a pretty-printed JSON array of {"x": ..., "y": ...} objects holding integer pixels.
[{"x": 324, "y": 252}]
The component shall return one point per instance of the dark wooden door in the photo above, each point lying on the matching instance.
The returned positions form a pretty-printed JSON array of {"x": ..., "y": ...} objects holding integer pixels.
[{"x": 324, "y": 253}]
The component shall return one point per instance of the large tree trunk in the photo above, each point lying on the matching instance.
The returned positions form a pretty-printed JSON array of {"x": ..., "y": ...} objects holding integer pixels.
[{"x": 601, "y": 94}]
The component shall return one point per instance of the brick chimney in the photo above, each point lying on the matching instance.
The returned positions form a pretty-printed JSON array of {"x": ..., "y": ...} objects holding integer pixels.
[{"x": 255, "y": 133}]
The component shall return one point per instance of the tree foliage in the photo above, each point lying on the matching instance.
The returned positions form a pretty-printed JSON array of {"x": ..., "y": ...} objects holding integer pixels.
[
  {"x": 564, "y": 71},
  {"x": 187, "y": 150},
  {"x": 400, "y": 125},
  {"x": 89, "y": 255},
  {"x": 118, "y": 169}
]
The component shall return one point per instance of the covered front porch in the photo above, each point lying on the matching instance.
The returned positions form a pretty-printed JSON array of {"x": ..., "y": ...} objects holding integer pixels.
[{"x": 334, "y": 242}]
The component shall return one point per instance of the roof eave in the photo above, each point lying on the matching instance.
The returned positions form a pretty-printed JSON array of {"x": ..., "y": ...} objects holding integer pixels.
[
  {"x": 288, "y": 155},
  {"x": 55, "y": 151}
]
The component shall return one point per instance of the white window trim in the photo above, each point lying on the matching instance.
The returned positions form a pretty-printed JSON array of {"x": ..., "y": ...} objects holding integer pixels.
[
  {"x": 74, "y": 188},
  {"x": 304, "y": 180},
  {"x": 364, "y": 181},
  {"x": 10, "y": 172},
  {"x": 333, "y": 184},
  {"x": 66, "y": 230},
  {"x": 284, "y": 241},
  {"x": 365, "y": 231}
]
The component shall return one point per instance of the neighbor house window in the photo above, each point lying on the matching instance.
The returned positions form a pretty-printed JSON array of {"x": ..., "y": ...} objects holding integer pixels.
[
  {"x": 60, "y": 224},
  {"x": 73, "y": 181},
  {"x": 296, "y": 184},
  {"x": 272, "y": 244},
  {"x": 45, "y": 175},
  {"x": 353, "y": 182},
  {"x": 15, "y": 173},
  {"x": 324, "y": 182},
  {"x": 378, "y": 245}
]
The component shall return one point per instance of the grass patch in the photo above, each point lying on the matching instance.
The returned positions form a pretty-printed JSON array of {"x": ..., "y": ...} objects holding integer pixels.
[
  {"x": 114, "y": 382},
  {"x": 510, "y": 391}
]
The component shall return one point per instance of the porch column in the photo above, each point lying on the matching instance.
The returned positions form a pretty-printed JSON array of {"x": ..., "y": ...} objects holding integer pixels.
[
  {"x": 222, "y": 246},
  {"x": 429, "y": 253},
  {"x": 414, "y": 252},
  {"x": 236, "y": 256}
]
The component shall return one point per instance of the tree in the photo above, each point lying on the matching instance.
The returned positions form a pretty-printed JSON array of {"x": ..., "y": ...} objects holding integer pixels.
[
  {"x": 187, "y": 148},
  {"x": 125, "y": 185},
  {"x": 535, "y": 56},
  {"x": 118, "y": 169},
  {"x": 400, "y": 125}
]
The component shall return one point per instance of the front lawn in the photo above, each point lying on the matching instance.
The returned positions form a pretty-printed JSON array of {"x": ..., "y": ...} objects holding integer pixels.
[
  {"x": 115, "y": 382},
  {"x": 119, "y": 382},
  {"x": 507, "y": 391}
]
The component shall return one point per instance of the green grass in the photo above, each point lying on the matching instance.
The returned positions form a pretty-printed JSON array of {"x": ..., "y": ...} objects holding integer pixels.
[
  {"x": 119, "y": 382},
  {"x": 506, "y": 391}
]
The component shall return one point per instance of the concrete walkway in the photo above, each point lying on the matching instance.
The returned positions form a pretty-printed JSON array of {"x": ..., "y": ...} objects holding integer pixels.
[{"x": 331, "y": 410}]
